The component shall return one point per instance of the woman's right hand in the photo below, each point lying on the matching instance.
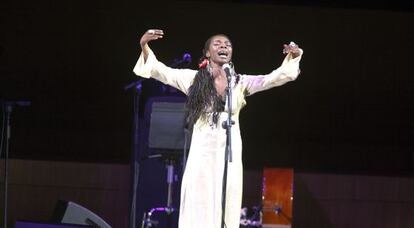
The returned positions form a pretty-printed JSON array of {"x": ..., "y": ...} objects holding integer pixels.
[{"x": 151, "y": 34}]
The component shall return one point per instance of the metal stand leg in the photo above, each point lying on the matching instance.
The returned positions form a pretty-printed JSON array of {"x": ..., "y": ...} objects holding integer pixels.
[{"x": 146, "y": 221}]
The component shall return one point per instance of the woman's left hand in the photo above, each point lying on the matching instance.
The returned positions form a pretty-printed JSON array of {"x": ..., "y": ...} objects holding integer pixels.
[{"x": 291, "y": 48}]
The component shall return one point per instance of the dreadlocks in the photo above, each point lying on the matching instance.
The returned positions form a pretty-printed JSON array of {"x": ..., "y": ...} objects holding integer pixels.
[{"x": 202, "y": 96}]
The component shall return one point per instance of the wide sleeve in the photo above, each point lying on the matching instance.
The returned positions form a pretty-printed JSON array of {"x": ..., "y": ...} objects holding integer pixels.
[
  {"x": 288, "y": 71},
  {"x": 177, "y": 78}
]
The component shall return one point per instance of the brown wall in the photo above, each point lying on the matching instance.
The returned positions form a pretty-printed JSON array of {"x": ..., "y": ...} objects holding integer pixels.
[
  {"x": 320, "y": 200},
  {"x": 343, "y": 201},
  {"x": 35, "y": 187},
  {"x": 351, "y": 201}
]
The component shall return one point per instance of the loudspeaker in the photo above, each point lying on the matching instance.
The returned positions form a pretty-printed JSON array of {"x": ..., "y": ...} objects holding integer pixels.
[
  {"x": 166, "y": 117},
  {"x": 72, "y": 213},
  {"x": 27, "y": 224}
]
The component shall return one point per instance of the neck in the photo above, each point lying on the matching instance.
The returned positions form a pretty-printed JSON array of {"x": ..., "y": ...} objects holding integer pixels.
[{"x": 215, "y": 65}]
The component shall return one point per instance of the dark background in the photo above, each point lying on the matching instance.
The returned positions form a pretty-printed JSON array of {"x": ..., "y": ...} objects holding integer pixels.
[{"x": 350, "y": 111}]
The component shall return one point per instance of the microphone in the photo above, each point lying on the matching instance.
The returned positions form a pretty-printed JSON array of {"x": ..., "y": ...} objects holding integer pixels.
[
  {"x": 228, "y": 68},
  {"x": 186, "y": 59}
]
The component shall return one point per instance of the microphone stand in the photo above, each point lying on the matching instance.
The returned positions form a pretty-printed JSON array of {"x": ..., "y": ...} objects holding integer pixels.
[
  {"x": 136, "y": 86},
  {"x": 228, "y": 152},
  {"x": 7, "y": 112},
  {"x": 8, "y": 108}
]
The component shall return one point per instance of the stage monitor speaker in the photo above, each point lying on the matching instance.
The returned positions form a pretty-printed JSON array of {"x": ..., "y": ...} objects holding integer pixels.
[
  {"x": 28, "y": 224},
  {"x": 72, "y": 213}
]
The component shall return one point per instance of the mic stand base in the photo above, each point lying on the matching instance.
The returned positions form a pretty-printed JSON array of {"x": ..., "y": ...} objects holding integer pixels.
[{"x": 146, "y": 219}]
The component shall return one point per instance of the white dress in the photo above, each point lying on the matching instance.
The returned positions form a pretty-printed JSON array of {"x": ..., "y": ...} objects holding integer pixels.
[{"x": 201, "y": 185}]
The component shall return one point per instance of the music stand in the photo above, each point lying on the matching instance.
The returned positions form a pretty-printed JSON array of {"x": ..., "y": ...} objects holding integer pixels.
[{"x": 167, "y": 138}]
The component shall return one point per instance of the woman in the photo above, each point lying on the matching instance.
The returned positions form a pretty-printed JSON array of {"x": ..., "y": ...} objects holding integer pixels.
[{"x": 201, "y": 188}]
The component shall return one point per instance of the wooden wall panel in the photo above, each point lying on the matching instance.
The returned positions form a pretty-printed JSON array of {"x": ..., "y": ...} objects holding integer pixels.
[
  {"x": 320, "y": 200},
  {"x": 352, "y": 201},
  {"x": 35, "y": 187}
]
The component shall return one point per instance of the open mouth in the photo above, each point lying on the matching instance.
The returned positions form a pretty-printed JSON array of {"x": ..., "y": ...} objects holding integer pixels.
[{"x": 223, "y": 54}]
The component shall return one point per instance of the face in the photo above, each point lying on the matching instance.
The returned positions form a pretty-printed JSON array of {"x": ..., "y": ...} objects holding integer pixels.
[{"x": 219, "y": 50}]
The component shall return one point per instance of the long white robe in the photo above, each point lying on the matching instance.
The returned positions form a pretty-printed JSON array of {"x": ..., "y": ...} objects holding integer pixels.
[{"x": 201, "y": 185}]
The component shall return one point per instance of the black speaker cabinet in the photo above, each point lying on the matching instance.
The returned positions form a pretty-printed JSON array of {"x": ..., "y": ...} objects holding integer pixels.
[{"x": 72, "y": 213}]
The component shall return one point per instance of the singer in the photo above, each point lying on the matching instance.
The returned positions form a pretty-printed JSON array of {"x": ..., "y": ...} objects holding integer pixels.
[{"x": 201, "y": 186}]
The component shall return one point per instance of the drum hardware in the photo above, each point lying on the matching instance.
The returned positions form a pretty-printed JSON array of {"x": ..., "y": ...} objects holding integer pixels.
[{"x": 251, "y": 220}]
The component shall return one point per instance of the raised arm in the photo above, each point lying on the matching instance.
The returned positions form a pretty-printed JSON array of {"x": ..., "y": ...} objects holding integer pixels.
[
  {"x": 148, "y": 66},
  {"x": 152, "y": 34},
  {"x": 288, "y": 71}
]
